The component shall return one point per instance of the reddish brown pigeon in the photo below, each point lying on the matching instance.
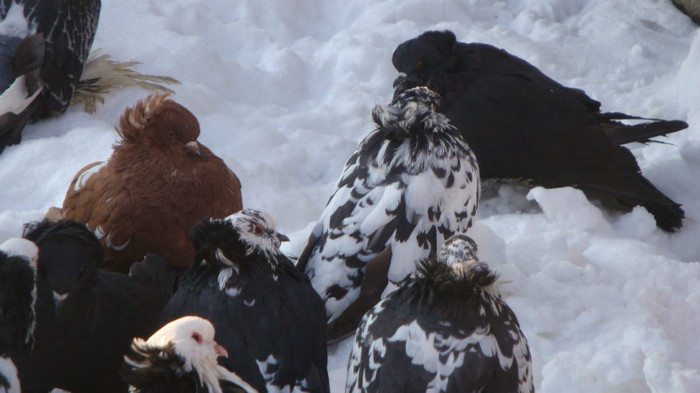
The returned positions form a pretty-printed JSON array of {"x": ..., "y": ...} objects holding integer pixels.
[{"x": 157, "y": 184}]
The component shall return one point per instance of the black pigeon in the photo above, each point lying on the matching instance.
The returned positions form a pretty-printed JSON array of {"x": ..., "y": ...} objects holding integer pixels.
[
  {"x": 180, "y": 358},
  {"x": 86, "y": 316},
  {"x": 18, "y": 259},
  {"x": 446, "y": 329},
  {"x": 266, "y": 314},
  {"x": 410, "y": 185},
  {"x": 524, "y": 126},
  {"x": 43, "y": 46}
]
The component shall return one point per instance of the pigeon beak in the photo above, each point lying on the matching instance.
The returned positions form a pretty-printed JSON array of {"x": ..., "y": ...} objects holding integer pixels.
[
  {"x": 221, "y": 351},
  {"x": 282, "y": 238},
  {"x": 194, "y": 146}
]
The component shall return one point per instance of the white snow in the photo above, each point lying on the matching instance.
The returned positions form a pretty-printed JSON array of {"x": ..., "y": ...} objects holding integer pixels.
[{"x": 283, "y": 91}]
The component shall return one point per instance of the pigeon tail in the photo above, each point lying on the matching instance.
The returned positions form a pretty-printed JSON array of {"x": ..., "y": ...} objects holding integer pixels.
[
  {"x": 620, "y": 134},
  {"x": 101, "y": 75},
  {"x": 668, "y": 214}
]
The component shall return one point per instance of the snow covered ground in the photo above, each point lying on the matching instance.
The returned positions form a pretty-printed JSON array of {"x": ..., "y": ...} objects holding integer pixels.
[{"x": 283, "y": 91}]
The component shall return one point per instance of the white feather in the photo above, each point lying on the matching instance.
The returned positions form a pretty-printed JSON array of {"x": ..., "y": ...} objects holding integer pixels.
[
  {"x": 15, "y": 24},
  {"x": 9, "y": 371},
  {"x": 15, "y": 99}
]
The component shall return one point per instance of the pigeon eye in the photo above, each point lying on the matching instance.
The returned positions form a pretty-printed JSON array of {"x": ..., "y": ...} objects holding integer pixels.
[
  {"x": 172, "y": 134},
  {"x": 197, "y": 337},
  {"x": 419, "y": 66},
  {"x": 258, "y": 230}
]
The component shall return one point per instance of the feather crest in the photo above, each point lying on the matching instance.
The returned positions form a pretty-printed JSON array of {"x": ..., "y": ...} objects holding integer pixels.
[{"x": 135, "y": 118}]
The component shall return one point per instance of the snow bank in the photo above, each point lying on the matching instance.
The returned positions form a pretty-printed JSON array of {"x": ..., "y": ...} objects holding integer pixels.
[{"x": 283, "y": 91}]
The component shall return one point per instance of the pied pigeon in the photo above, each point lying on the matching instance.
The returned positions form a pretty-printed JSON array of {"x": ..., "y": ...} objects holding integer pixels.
[
  {"x": 412, "y": 183},
  {"x": 263, "y": 308},
  {"x": 43, "y": 47},
  {"x": 525, "y": 127},
  {"x": 446, "y": 329}
]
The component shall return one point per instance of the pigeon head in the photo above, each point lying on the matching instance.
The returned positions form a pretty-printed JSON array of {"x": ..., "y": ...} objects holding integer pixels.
[
  {"x": 459, "y": 253},
  {"x": 69, "y": 257},
  {"x": 411, "y": 112},
  {"x": 457, "y": 249},
  {"x": 191, "y": 340},
  {"x": 231, "y": 240},
  {"x": 18, "y": 260},
  {"x": 257, "y": 231},
  {"x": 419, "y": 58},
  {"x": 161, "y": 122}
]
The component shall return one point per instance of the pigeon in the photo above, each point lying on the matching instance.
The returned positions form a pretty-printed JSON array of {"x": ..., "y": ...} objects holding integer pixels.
[
  {"x": 446, "y": 329},
  {"x": 158, "y": 183},
  {"x": 690, "y": 8},
  {"x": 525, "y": 127},
  {"x": 18, "y": 259},
  {"x": 86, "y": 317},
  {"x": 180, "y": 358},
  {"x": 43, "y": 47},
  {"x": 412, "y": 183},
  {"x": 266, "y": 314}
]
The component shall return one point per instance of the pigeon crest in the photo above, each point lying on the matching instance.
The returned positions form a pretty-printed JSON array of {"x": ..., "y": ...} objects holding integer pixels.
[
  {"x": 412, "y": 183},
  {"x": 414, "y": 110},
  {"x": 443, "y": 330}
]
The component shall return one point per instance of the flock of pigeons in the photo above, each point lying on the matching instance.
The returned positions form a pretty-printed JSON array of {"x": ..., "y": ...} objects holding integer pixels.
[{"x": 390, "y": 259}]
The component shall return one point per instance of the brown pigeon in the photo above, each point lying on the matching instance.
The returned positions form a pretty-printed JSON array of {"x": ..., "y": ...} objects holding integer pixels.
[{"x": 157, "y": 184}]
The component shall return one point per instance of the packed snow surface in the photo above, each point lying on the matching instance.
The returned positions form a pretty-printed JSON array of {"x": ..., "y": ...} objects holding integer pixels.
[{"x": 283, "y": 91}]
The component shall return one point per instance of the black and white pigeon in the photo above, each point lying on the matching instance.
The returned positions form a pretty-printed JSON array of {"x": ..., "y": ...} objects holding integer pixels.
[
  {"x": 43, "y": 46},
  {"x": 18, "y": 259},
  {"x": 411, "y": 184},
  {"x": 266, "y": 314},
  {"x": 446, "y": 329},
  {"x": 181, "y": 357},
  {"x": 86, "y": 317},
  {"x": 525, "y": 127}
]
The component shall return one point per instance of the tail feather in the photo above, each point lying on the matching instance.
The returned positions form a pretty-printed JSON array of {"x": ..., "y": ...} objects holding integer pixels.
[
  {"x": 101, "y": 75},
  {"x": 620, "y": 134},
  {"x": 668, "y": 214}
]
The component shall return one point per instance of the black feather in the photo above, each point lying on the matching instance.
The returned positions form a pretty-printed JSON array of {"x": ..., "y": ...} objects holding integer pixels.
[
  {"x": 261, "y": 305},
  {"x": 524, "y": 126},
  {"x": 51, "y": 58},
  {"x": 445, "y": 328},
  {"x": 80, "y": 342},
  {"x": 17, "y": 317}
]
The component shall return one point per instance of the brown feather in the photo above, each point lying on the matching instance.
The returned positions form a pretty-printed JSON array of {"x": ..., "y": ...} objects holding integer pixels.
[{"x": 156, "y": 185}]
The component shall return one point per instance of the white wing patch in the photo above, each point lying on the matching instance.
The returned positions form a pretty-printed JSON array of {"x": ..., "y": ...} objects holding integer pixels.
[
  {"x": 15, "y": 98},
  {"x": 84, "y": 176},
  {"x": 9, "y": 371},
  {"x": 101, "y": 233},
  {"x": 15, "y": 23}
]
